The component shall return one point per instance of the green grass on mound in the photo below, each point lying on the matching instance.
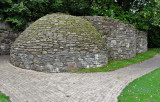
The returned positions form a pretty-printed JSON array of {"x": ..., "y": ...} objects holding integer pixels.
[
  {"x": 143, "y": 89},
  {"x": 3, "y": 98},
  {"x": 116, "y": 64}
]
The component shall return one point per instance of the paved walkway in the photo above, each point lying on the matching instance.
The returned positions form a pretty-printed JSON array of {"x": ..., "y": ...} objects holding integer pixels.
[{"x": 22, "y": 85}]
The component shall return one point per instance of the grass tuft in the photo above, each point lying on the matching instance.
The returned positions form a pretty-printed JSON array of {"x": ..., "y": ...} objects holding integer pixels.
[{"x": 3, "y": 98}]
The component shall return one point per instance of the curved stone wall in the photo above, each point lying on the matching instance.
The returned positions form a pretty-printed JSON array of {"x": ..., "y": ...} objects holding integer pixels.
[
  {"x": 120, "y": 37},
  {"x": 57, "y": 43},
  {"x": 103, "y": 24}
]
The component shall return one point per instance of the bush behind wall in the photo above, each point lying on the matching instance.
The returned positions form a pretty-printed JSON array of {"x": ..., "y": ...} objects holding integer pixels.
[{"x": 146, "y": 17}]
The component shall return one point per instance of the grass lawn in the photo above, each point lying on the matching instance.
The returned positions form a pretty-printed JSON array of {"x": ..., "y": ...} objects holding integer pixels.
[
  {"x": 3, "y": 98},
  {"x": 113, "y": 65},
  {"x": 143, "y": 89}
]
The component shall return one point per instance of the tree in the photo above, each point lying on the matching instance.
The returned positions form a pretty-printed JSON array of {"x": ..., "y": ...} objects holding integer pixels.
[
  {"x": 158, "y": 2},
  {"x": 125, "y": 4}
]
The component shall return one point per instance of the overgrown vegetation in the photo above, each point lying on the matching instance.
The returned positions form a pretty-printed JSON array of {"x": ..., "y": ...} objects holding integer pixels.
[
  {"x": 19, "y": 12},
  {"x": 3, "y": 98},
  {"x": 116, "y": 64},
  {"x": 143, "y": 89},
  {"x": 144, "y": 14}
]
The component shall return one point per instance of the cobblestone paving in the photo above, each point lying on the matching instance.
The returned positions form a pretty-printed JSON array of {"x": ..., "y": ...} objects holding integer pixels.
[{"x": 22, "y": 85}]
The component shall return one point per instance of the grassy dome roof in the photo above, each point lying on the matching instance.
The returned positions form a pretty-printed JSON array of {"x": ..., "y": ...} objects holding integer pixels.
[{"x": 59, "y": 33}]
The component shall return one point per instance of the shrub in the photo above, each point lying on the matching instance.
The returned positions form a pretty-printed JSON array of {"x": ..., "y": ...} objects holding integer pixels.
[
  {"x": 143, "y": 14},
  {"x": 19, "y": 12}
]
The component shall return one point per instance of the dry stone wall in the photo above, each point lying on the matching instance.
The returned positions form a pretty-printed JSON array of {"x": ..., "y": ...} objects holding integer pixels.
[
  {"x": 58, "y": 43},
  {"x": 122, "y": 39},
  {"x": 114, "y": 32},
  {"x": 39, "y": 52},
  {"x": 141, "y": 39},
  {"x": 7, "y": 37}
]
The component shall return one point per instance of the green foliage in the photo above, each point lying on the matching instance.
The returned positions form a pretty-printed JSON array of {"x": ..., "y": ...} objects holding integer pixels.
[
  {"x": 104, "y": 7},
  {"x": 19, "y": 12},
  {"x": 154, "y": 37},
  {"x": 158, "y": 2},
  {"x": 144, "y": 14},
  {"x": 143, "y": 89}
]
